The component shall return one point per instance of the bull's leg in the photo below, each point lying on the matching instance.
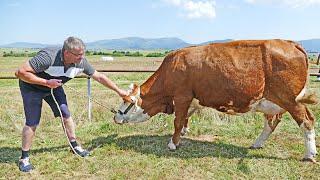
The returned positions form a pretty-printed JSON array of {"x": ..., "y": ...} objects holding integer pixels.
[
  {"x": 185, "y": 128},
  {"x": 181, "y": 110},
  {"x": 305, "y": 120},
  {"x": 270, "y": 124},
  {"x": 194, "y": 107}
]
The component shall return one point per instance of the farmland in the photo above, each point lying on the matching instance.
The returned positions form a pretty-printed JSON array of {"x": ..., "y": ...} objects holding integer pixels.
[{"x": 215, "y": 148}]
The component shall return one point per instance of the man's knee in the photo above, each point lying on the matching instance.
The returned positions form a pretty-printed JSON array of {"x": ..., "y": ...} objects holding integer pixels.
[
  {"x": 65, "y": 111},
  {"x": 27, "y": 128}
]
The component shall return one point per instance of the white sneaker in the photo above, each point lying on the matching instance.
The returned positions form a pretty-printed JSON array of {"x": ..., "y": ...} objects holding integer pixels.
[
  {"x": 25, "y": 165},
  {"x": 81, "y": 152}
]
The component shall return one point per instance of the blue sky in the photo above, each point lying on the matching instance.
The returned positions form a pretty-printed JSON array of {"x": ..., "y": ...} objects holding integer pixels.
[{"x": 194, "y": 21}]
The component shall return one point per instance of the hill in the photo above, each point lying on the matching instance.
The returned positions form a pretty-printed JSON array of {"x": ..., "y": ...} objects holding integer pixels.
[{"x": 137, "y": 43}]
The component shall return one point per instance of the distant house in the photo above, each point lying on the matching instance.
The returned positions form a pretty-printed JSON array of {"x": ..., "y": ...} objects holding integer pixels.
[{"x": 107, "y": 58}]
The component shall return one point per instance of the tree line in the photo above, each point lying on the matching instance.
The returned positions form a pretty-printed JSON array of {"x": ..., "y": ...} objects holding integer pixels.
[
  {"x": 19, "y": 54},
  {"x": 90, "y": 53}
]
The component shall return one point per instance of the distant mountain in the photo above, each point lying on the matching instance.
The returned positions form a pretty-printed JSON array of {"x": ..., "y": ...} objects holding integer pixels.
[
  {"x": 216, "y": 41},
  {"x": 137, "y": 43},
  {"x": 25, "y": 45},
  {"x": 311, "y": 45},
  {"x": 133, "y": 43}
]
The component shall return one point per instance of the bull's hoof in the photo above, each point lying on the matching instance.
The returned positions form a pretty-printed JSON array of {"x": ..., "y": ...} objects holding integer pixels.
[
  {"x": 171, "y": 145},
  {"x": 313, "y": 160},
  {"x": 254, "y": 147},
  {"x": 184, "y": 131}
]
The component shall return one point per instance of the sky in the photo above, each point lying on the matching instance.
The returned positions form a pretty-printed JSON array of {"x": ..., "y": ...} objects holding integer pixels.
[{"x": 194, "y": 21}]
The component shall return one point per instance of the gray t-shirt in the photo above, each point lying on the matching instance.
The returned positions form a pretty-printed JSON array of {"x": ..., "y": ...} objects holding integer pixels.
[{"x": 48, "y": 64}]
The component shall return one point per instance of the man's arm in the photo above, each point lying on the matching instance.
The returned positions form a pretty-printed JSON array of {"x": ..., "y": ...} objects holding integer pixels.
[
  {"x": 26, "y": 73},
  {"x": 101, "y": 78}
]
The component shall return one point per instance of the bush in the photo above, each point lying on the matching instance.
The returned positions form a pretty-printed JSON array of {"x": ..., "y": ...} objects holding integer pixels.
[
  {"x": 19, "y": 54},
  {"x": 155, "y": 54}
]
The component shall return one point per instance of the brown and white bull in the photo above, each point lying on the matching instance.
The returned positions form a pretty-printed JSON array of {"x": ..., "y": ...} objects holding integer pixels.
[{"x": 267, "y": 76}]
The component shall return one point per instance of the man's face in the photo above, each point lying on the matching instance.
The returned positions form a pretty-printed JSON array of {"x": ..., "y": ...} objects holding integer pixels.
[{"x": 74, "y": 55}]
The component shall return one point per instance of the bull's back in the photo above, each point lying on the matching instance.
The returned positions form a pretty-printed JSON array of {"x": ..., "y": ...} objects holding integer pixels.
[{"x": 232, "y": 75}]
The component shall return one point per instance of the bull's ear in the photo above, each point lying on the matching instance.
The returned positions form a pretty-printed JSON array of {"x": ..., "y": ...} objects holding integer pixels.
[{"x": 136, "y": 90}]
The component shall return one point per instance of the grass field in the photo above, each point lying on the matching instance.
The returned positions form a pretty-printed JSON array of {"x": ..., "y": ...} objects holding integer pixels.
[{"x": 215, "y": 148}]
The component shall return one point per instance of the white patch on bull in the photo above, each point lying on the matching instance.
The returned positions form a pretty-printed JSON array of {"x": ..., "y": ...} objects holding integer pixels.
[
  {"x": 131, "y": 86},
  {"x": 301, "y": 94},
  {"x": 134, "y": 115},
  {"x": 309, "y": 142},
  {"x": 266, "y": 107},
  {"x": 263, "y": 136},
  {"x": 171, "y": 145},
  {"x": 133, "y": 99}
]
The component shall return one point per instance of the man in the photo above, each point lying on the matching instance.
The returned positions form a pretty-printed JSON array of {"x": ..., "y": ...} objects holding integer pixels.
[{"x": 51, "y": 68}]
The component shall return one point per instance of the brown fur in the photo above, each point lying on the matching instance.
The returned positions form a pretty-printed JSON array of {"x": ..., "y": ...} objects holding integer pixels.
[{"x": 229, "y": 77}]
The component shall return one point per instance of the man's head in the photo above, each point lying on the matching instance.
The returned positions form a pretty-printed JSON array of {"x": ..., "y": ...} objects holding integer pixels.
[{"x": 73, "y": 50}]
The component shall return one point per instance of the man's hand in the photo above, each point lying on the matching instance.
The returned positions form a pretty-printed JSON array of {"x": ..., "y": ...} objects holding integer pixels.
[
  {"x": 122, "y": 93},
  {"x": 54, "y": 83}
]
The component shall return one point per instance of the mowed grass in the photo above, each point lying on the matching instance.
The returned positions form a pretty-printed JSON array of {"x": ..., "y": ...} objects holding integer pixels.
[{"x": 215, "y": 148}]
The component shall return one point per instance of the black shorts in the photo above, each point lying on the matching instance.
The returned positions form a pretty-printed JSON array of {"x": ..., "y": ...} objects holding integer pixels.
[{"x": 32, "y": 102}]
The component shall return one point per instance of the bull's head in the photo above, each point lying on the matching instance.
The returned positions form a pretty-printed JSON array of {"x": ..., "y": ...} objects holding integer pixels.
[{"x": 130, "y": 110}]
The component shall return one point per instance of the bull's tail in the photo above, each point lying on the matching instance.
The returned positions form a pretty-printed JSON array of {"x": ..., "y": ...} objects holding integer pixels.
[{"x": 307, "y": 97}]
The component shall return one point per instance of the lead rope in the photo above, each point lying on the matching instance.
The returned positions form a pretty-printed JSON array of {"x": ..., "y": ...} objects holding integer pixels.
[
  {"x": 63, "y": 126},
  {"x": 91, "y": 98}
]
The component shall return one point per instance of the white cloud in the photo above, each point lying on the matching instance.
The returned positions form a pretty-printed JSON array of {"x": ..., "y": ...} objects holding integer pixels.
[
  {"x": 195, "y": 9},
  {"x": 250, "y": 1},
  {"x": 290, "y": 3}
]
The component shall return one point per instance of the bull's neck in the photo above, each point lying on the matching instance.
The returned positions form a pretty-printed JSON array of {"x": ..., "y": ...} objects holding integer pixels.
[
  {"x": 153, "y": 86},
  {"x": 152, "y": 92}
]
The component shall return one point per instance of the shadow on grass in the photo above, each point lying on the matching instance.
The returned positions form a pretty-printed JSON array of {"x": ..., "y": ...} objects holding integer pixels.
[
  {"x": 157, "y": 145},
  {"x": 149, "y": 144},
  {"x": 12, "y": 154}
]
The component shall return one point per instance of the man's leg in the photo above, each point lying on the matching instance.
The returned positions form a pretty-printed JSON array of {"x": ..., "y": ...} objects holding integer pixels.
[
  {"x": 68, "y": 122},
  {"x": 70, "y": 130},
  {"x": 28, "y": 133},
  {"x": 32, "y": 103}
]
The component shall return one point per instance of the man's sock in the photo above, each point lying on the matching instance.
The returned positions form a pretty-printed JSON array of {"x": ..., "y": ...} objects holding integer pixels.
[
  {"x": 24, "y": 154},
  {"x": 73, "y": 143}
]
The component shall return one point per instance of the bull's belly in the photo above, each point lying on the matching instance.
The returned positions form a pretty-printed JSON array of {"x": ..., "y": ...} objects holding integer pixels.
[
  {"x": 261, "y": 105},
  {"x": 228, "y": 107}
]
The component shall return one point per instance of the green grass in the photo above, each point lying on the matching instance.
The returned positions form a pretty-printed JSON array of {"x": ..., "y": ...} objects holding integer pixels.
[{"x": 215, "y": 148}]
